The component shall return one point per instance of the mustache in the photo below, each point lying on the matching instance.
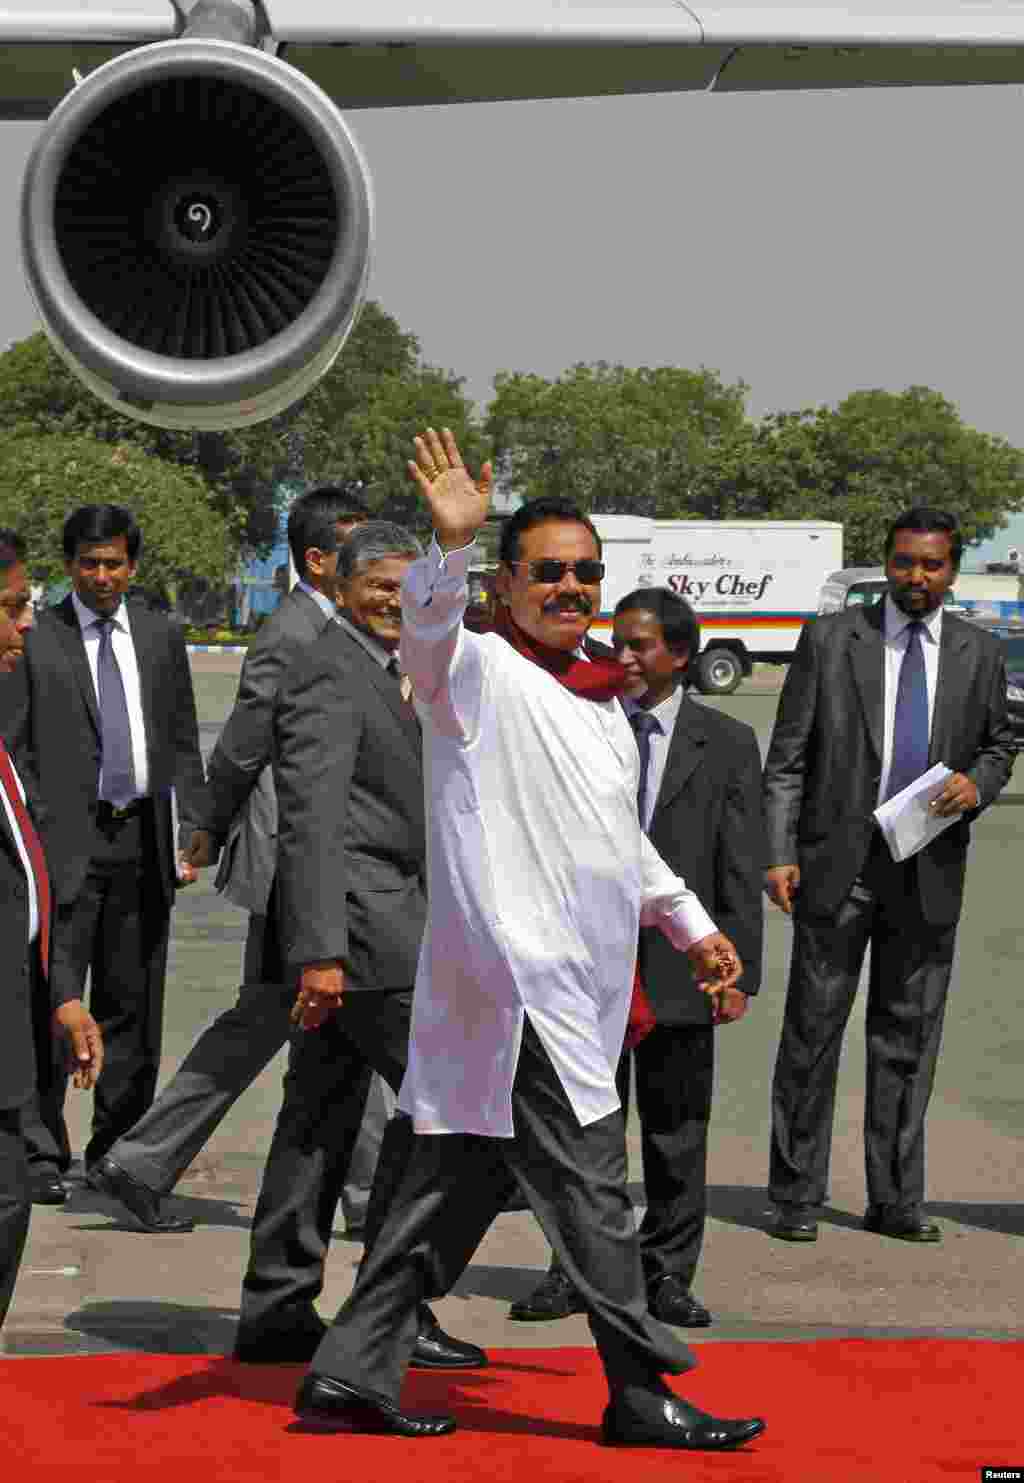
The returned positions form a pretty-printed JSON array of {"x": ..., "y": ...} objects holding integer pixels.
[{"x": 575, "y": 602}]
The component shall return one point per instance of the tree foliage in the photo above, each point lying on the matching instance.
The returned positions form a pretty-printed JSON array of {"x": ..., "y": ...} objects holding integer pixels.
[
  {"x": 614, "y": 439},
  {"x": 356, "y": 424},
  {"x": 862, "y": 463},
  {"x": 44, "y": 477}
]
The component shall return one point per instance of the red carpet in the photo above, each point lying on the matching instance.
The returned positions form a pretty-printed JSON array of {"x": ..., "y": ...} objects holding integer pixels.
[{"x": 856, "y": 1411}]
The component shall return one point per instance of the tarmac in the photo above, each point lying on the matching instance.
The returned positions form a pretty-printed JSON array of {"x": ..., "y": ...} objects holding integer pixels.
[{"x": 90, "y": 1283}]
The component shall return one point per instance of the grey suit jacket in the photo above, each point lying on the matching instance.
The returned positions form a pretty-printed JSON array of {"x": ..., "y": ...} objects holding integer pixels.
[
  {"x": 242, "y": 808},
  {"x": 351, "y": 857},
  {"x": 707, "y": 826},
  {"x": 825, "y": 761}
]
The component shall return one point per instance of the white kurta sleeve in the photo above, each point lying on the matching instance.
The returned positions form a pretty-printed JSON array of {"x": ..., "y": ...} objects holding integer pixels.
[
  {"x": 667, "y": 902},
  {"x": 445, "y": 664}
]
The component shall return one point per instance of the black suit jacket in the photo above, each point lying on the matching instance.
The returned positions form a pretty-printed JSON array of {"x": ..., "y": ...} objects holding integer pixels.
[
  {"x": 824, "y": 764},
  {"x": 24, "y": 1000},
  {"x": 707, "y": 826},
  {"x": 351, "y": 859},
  {"x": 55, "y": 727}
]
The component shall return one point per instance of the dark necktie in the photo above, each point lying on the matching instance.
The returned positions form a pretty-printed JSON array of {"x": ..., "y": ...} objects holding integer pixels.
[
  {"x": 643, "y": 724},
  {"x": 910, "y": 727},
  {"x": 118, "y": 769},
  {"x": 33, "y": 849}
]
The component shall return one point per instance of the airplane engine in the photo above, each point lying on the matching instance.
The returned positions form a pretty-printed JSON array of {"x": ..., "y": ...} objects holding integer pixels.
[{"x": 196, "y": 228}]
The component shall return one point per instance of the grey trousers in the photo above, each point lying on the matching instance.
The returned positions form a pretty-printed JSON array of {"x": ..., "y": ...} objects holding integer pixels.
[
  {"x": 15, "y": 1203},
  {"x": 911, "y": 961},
  {"x": 226, "y": 1059},
  {"x": 355, "y": 1192},
  {"x": 455, "y": 1184}
]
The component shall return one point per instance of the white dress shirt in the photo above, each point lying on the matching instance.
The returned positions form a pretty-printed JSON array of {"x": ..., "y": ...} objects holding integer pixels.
[
  {"x": 124, "y": 653},
  {"x": 540, "y": 874},
  {"x": 325, "y": 604},
  {"x": 666, "y": 713},
  {"x": 26, "y": 863},
  {"x": 896, "y": 640}
]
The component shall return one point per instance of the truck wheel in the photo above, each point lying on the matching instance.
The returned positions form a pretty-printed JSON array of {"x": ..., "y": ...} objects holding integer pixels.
[{"x": 719, "y": 672}]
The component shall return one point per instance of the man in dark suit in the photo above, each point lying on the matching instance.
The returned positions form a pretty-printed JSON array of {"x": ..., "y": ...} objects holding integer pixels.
[
  {"x": 351, "y": 881},
  {"x": 873, "y": 698},
  {"x": 239, "y": 819},
  {"x": 701, "y": 808},
  {"x": 28, "y": 1003},
  {"x": 108, "y": 726}
]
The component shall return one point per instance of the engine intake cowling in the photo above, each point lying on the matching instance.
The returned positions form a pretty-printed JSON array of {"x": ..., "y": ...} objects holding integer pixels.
[{"x": 196, "y": 231}]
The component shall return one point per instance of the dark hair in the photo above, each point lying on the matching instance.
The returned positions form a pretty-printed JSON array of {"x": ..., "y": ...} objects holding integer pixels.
[
  {"x": 12, "y": 548},
  {"x": 313, "y": 516},
  {"x": 537, "y": 512},
  {"x": 93, "y": 524},
  {"x": 680, "y": 626},
  {"x": 926, "y": 518}
]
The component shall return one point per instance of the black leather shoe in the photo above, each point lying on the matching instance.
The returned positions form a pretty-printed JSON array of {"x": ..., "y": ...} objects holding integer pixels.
[
  {"x": 669, "y": 1421},
  {"x": 554, "y": 1297},
  {"x": 902, "y": 1225},
  {"x": 144, "y": 1204},
  {"x": 436, "y": 1350},
  {"x": 671, "y": 1302},
  {"x": 48, "y": 1189},
  {"x": 283, "y": 1344},
  {"x": 332, "y": 1405},
  {"x": 794, "y": 1225}
]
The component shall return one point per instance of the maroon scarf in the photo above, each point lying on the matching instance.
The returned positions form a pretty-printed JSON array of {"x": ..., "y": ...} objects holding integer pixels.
[{"x": 593, "y": 679}]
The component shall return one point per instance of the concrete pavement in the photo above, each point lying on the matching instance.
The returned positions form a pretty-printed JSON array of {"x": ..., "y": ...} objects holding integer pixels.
[{"x": 91, "y": 1284}]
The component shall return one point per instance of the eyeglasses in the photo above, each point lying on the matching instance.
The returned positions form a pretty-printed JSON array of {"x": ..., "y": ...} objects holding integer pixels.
[{"x": 548, "y": 569}]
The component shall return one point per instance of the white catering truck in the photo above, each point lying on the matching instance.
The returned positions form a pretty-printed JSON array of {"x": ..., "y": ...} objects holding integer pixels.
[{"x": 752, "y": 583}]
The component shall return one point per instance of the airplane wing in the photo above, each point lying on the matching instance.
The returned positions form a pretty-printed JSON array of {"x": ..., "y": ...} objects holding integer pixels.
[{"x": 393, "y": 53}]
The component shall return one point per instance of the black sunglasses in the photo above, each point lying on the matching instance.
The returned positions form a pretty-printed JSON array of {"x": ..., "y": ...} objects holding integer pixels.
[{"x": 548, "y": 569}]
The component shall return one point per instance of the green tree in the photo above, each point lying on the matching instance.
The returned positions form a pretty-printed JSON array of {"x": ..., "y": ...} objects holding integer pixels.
[
  {"x": 44, "y": 478},
  {"x": 862, "y": 463},
  {"x": 615, "y": 439},
  {"x": 357, "y": 423}
]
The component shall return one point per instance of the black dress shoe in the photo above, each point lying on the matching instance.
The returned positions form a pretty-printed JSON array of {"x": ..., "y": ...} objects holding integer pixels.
[
  {"x": 436, "y": 1350},
  {"x": 280, "y": 1344},
  {"x": 48, "y": 1189},
  {"x": 554, "y": 1297},
  {"x": 671, "y": 1302},
  {"x": 794, "y": 1225},
  {"x": 333, "y": 1405},
  {"x": 110, "y": 1179},
  {"x": 902, "y": 1225},
  {"x": 669, "y": 1421}
]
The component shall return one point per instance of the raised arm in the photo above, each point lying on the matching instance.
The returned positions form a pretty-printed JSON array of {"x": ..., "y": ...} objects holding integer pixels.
[{"x": 444, "y": 663}]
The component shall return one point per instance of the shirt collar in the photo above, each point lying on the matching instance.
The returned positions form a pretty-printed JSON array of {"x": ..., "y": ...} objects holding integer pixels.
[
  {"x": 376, "y": 651},
  {"x": 325, "y": 604},
  {"x": 88, "y": 619},
  {"x": 896, "y": 621},
  {"x": 666, "y": 712}
]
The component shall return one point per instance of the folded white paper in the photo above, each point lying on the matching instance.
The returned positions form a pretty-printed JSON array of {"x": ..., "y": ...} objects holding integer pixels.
[{"x": 906, "y": 820}]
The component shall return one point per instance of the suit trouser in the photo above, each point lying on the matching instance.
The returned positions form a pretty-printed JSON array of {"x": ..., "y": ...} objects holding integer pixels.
[
  {"x": 355, "y": 1192},
  {"x": 15, "y": 1203},
  {"x": 115, "y": 932},
  {"x": 455, "y": 1184},
  {"x": 911, "y": 961},
  {"x": 325, "y": 1090}
]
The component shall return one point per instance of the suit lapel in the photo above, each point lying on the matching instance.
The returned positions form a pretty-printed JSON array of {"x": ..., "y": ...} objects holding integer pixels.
[
  {"x": 867, "y": 656},
  {"x": 948, "y": 694},
  {"x": 685, "y": 754},
  {"x": 388, "y": 689},
  {"x": 70, "y": 636}
]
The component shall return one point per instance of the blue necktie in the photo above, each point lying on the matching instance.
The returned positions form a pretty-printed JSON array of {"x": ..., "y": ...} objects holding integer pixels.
[
  {"x": 117, "y": 786},
  {"x": 910, "y": 730},
  {"x": 643, "y": 724}
]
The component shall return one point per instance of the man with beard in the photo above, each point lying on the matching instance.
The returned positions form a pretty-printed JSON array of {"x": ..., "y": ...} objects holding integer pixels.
[{"x": 539, "y": 878}]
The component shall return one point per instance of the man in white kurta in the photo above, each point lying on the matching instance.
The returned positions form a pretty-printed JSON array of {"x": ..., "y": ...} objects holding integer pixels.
[{"x": 539, "y": 876}]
